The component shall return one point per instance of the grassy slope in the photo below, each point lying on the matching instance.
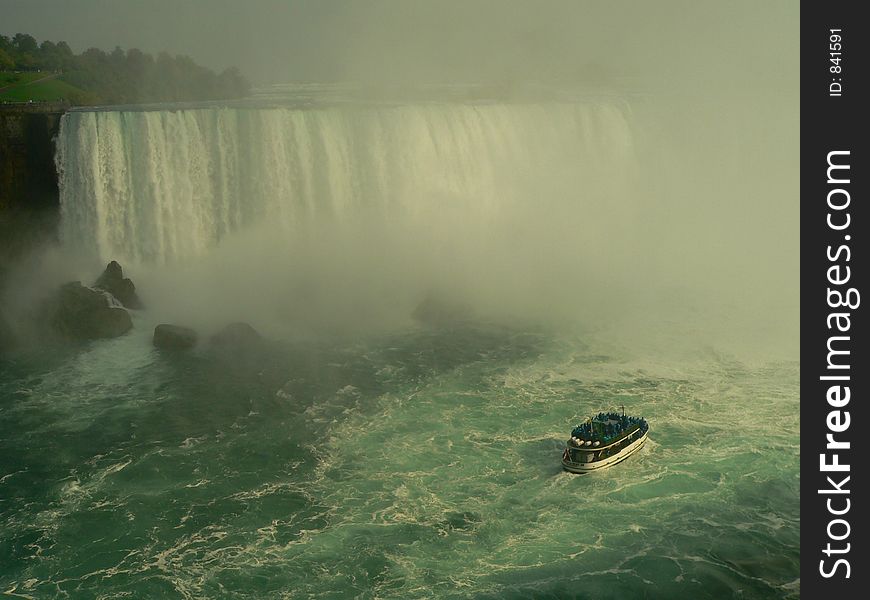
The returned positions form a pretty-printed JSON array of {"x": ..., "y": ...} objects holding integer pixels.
[
  {"x": 21, "y": 90},
  {"x": 10, "y": 78}
]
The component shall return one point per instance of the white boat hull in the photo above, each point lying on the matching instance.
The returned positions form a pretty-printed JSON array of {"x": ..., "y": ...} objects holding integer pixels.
[{"x": 587, "y": 467}]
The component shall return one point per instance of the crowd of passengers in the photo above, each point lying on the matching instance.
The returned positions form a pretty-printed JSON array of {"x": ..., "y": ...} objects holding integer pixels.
[{"x": 607, "y": 425}]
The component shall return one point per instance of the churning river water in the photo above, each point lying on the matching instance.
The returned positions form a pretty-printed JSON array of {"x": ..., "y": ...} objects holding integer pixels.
[{"x": 424, "y": 464}]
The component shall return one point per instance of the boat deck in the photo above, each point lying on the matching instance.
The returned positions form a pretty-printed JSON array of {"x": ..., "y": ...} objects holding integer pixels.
[{"x": 603, "y": 441}]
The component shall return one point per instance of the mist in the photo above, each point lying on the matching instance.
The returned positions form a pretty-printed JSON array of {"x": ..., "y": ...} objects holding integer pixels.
[
  {"x": 683, "y": 199},
  {"x": 675, "y": 44}
]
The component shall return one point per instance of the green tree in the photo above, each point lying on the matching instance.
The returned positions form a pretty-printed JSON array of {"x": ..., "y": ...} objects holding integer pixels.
[
  {"x": 6, "y": 61},
  {"x": 25, "y": 43},
  {"x": 122, "y": 77},
  {"x": 26, "y": 62},
  {"x": 64, "y": 50}
]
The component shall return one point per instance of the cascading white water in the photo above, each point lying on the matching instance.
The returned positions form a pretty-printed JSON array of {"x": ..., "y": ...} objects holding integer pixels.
[{"x": 164, "y": 186}]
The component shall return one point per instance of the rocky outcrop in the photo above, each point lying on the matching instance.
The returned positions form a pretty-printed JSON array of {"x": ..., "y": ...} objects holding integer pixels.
[
  {"x": 28, "y": 177},
  {"x": 113, "y": 281},
  {"x": 76, "y": 312},
  {"x": 29, "y": 199},
  {"x": 239, "y": 347},
  {"x": 174, "y": 337}
]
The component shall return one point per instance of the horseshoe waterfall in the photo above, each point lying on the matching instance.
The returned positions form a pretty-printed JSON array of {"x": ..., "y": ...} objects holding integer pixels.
[{"x": 163, "y": 186}]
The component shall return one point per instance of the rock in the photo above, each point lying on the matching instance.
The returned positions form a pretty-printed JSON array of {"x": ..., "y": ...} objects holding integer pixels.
[
  {"x": 236, "y": 334},
  {"x": 239, "y": 347},
  {"x": 81, "y": 313},
  {"x": 106, "y": 322},
  {"x": 174, "y": 337},
  {"x": 113, "y": 281}
]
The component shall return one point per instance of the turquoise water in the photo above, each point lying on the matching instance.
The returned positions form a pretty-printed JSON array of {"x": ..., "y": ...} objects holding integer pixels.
[{"x": 418, "y": 464}]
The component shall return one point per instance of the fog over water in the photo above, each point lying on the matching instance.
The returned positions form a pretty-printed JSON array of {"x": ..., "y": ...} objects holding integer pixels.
[
  {"x": 579, "y": 211},
  {"x": 701, "y": 199},
  {"x": 706, "y": 199},
  {"x": 600, "y": 201}
]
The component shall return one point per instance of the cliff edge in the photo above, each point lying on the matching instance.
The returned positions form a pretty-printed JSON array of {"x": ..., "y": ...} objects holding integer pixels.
[{"x": 29, "y": 198}]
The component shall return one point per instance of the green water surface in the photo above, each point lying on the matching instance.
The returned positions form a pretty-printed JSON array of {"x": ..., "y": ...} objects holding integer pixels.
[{"x": 415, "y": 465}]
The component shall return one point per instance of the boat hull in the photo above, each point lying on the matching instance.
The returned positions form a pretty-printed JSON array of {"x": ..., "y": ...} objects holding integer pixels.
[{"x": 597, "y": 465}]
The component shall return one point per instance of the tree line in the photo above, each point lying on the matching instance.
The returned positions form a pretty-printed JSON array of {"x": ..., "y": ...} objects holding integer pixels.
[{"x": 119, "y": 76}]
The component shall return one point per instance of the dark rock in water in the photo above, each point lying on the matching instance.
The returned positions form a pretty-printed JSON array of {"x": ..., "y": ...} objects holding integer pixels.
[
  {"x": 107, "y": 322},
  {"x": 236, "y": 334},
  {"x": 113, "y": 281},
  {"x": 81, "y": 313},
  {"x": 174, "y": 337},
  {"x": 240, "y": 348}
]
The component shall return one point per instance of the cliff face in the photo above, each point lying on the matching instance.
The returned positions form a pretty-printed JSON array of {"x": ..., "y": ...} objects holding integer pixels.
[{"x": 29, "y": 199}]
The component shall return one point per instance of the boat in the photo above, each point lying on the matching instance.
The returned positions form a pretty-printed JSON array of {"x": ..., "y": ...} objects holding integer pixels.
[{"x": 603, "y": 441}]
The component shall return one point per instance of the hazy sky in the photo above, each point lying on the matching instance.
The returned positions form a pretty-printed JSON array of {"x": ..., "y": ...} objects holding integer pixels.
[{"x": 436, "y": 40}]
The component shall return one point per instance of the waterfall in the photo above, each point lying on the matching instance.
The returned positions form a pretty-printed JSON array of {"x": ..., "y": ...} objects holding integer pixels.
[{"x": 165, "y": 186}]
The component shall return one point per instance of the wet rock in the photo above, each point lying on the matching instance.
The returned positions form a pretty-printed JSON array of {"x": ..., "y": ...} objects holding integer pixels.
[
  {"x": 77, "y": 312},
  {"x": 106, "y": 322},
  {"x": 240, "y": 348},
  {"x": 113, "y": 281},
  {"x": 174, "y": 337}
]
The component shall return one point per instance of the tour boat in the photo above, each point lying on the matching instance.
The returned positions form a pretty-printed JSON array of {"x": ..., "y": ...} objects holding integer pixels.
[{"x": 604, "y": 440}]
